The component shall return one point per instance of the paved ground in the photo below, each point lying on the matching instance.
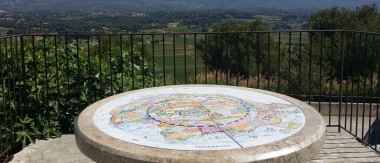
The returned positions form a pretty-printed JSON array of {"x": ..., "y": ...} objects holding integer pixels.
[
  {"x": 339, "y": 147},
  {"x": 61, "y": 150},
  {"x": 342, "y": 147}
]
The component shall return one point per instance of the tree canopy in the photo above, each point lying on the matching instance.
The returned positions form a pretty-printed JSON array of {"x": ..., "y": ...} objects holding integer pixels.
[
  {"x": 364, "y": 18},
  {"x": 236, "y": 53}
]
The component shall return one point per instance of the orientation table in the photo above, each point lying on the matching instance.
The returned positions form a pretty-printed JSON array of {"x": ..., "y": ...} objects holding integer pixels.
[{"x": 200, "y": 123}]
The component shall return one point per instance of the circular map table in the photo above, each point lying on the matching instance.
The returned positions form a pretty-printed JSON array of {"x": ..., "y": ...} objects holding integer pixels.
[{"x": 200, "y": 123}]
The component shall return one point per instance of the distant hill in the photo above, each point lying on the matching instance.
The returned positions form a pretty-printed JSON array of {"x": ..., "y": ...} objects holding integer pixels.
[{"x": 164, "y": 5}]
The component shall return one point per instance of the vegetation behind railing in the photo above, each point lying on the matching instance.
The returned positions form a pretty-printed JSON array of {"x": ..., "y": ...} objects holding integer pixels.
[{"x": 47, "y": 80}]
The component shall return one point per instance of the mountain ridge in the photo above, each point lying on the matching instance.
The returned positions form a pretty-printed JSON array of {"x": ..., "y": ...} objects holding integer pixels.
[{"x": 169, "y": 5}]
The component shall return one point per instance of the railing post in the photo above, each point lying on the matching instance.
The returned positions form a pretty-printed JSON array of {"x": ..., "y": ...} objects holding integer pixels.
[
  {"x": 23, "y": 72},
  {"x": 341, "y": 78},
  {"x": 2, "y": 106},
  {"x": 174, "y": 61}
]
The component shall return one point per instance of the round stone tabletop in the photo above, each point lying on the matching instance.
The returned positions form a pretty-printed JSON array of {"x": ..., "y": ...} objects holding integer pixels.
[{"x": 200, "y": 123}]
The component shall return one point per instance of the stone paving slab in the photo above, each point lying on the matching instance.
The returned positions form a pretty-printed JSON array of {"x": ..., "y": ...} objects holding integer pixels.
[
  {"x": 60, "y": 150},
  {"x": 343, "y": 147},
  {"x": 356, "y": 125},
  {"x": 339, "y": 147}
]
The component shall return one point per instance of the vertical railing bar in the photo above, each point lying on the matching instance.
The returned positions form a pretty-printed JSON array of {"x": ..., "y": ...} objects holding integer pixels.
[
  {"x": 3, "y": 119},
  {"x": 227, "y": 37},
  {"x": 353, "y": 74},
  {"x": 163, "y": 57},
  {"x": 133, "y": 62},
  {"x": 237, "y": 53},
  {"x": 89, "y": 95},
  {"x": 358, "y": 86},
  {"x": 23, "y": 70},
  {"x": 18, "y": 64},
  {"x": 4, "y": 87},
  {"x": 378, "y": 97},
  {"x": 289, "y": 53},
  {"x": 331, "y": 71},
  {"x": 12, "y": 85},
  {"x": 195, "y": 58},
  {"x": 7, "y": 101},
  {"x": 18, "y": 106},
  {"x": 34, "y": 65},
  {"x": 2, "y": 83},
  {"x": 110, "y": 60},
  {"x": 46, "y": 68},
  {"x": 310, "y": 57},
  {"x": 57, "y": 77},
  {"x": 206, "y": 54},
  {"x": 341, "y": 80},
  {"x": 100, "y": 65},
  {"x": 121, "y": 66},
  {"x": 67, "y": 71},
  {"x": 34, "y": 70},
  {"x": 217, "y": 58},
  {"x": 320, "y": 71},
  {"x": 46, "y": 100},
  {"x": 185, "y": 53},
  {"x": 257, "y": 59},
  {"x": 153, "y": 62},
  {"x": 9, "y": 78},
  {"x": 269, "y": 68},
  {"x": 278, "y": 62},
  {"x": 17, "y": 56},
  {"x": 16, "y": 80},
  {"x": 7, "y": 62},
  {"x": 371, "y": 87},
  {"x": 174, "y": 61},
  {"x": 143, "y": 60},
  {"x": 249, "y": 35},
  {"x": 78, "y": 61},
  {"x": 300, "y": 66},
  {"x": 365, "y": 82},
  {"x": 347, "y": 77}
]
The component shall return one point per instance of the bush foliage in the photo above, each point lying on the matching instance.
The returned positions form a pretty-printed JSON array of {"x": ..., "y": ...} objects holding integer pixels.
[{"x": 53, "y": 78}]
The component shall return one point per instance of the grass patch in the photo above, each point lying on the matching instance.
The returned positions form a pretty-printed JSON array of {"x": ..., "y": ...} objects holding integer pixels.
[
  {"x": 184, "y": 71},
  {"x": 4, "y": 30}
]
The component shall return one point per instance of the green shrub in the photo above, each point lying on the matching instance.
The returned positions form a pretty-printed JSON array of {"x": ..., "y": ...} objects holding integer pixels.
[{"x": 53, "y": 78}]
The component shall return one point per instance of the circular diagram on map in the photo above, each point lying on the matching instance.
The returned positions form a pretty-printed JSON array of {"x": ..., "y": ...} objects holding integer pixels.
[{"x": 199, "y": 118}]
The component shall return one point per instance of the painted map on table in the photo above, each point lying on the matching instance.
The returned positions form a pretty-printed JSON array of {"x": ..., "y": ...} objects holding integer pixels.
[{"x": 199, "y": 118}]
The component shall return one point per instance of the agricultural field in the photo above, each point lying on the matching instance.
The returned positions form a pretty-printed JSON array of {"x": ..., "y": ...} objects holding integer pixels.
[
  {"x": 173, "y": 52},
  {"x": 183, "y": 29},
  {"x": 176, "y": 56},
  {"x": 4, "y": 30},
  {"x": 296, "y": 39}
]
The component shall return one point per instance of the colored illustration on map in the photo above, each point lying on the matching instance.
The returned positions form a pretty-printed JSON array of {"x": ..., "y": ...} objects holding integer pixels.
[{"x": 199, "y": 121}]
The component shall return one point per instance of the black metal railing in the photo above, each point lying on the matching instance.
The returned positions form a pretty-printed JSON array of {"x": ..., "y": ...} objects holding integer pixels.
[{"x": 47, "y": 80}]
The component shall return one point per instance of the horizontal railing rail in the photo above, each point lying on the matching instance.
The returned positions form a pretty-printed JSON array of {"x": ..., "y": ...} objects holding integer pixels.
[
  {"x": 48, "y": 79},
  {"x": 182, "y": 33}
]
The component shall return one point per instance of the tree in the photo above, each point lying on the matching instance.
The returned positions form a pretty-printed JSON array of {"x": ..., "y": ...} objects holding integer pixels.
[
  {"x": 237, "y": 53},
  {"x": 359, "y": 45},
  {"x": 364, "y": 18}
]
